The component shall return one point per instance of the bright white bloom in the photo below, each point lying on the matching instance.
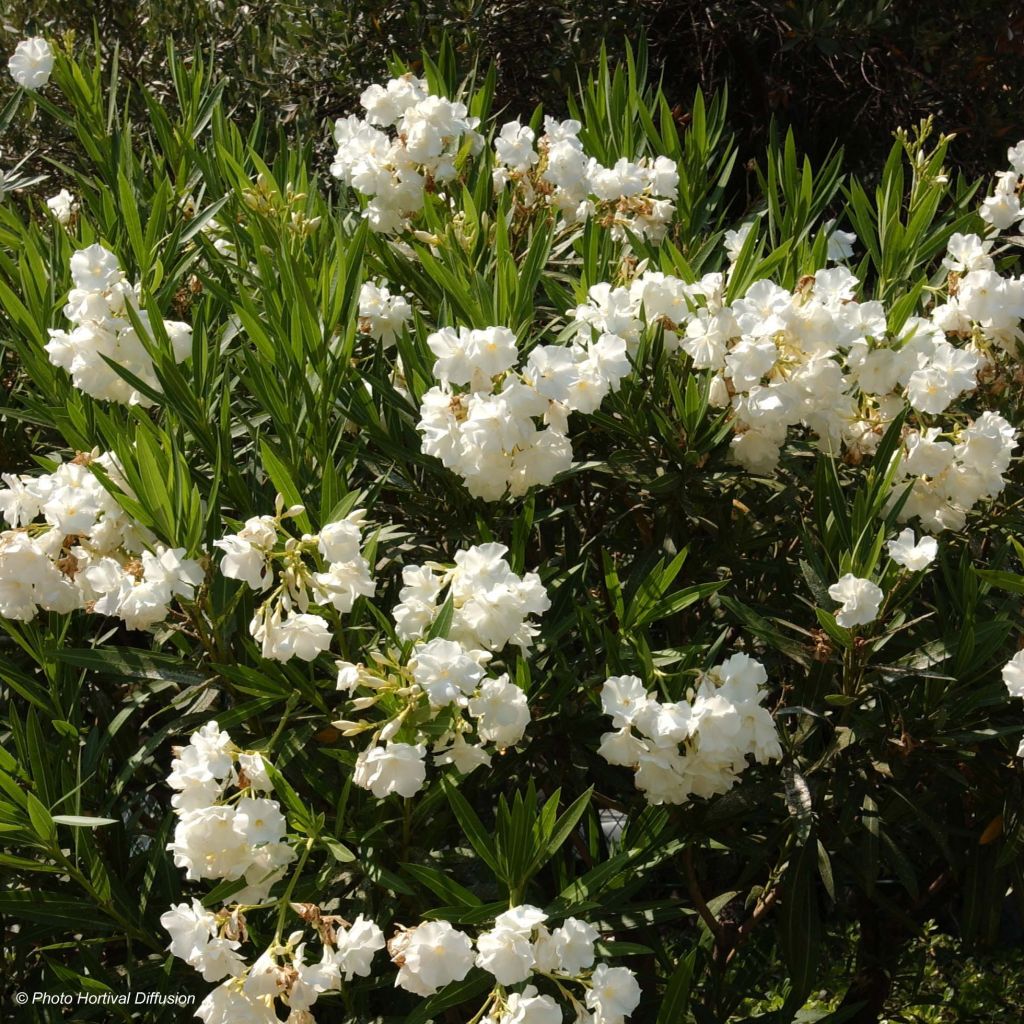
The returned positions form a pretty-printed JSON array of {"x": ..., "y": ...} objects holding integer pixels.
[
  {"x": 394, "y": 172},
  {"x": 860, "y": 600},
  {"x": 395, "y": 768},
  {"x": 501, "y": 712},
  {"x": 97, "y": 307},
  {"x": 430, "y": 956},
  {"x": 1013, "y": 675},
  {"x": 513, "y": 147},
  {"x": 382, "y": 315},
  {"x": 300, "y": 635},
  {"x": 230, "y": 1004},
  {"x": 31, "y": 63},
  {"x": 89, "y": 554},
  {"x": 614, "y": 994},
  {"x": 527, "y": 1007},
  {"x": 506, "y": 950},
  {"x": 62, "y": 206},
  {"x": 697, "y": 748},
  {"x": 446, "y": 671},
  {"x": 356, "y": 946},
  {"x": 568, "y": 949},
  {"x": 624, "y": 698},
  {"x": 216, "y": 840},
  {"x": 913, "y": 555}
]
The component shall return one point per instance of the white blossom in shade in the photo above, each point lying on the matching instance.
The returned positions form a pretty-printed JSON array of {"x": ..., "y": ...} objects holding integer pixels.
[
  {"x": 255, "y": 770},
  {"x": 355, "y": 947},
  {"x": 568, "y": 949},
  {"x": 501, "y": 712},
  {"x": 312, "y": 979},
  {"x": 31, "y": 63},
  {"x": 301, "y": 635},
  {"x": 624, "y": 698},
  {"x": 446, "y": 671},
  {"x": 621, "y": 747},
  {"x": 913, "y": 554},
  {"x": 191, "y": 927},
  {"x": 394, "y": 768},
  {"x": 1013, "y": 675},
  {"x": 430, "y": 956},
  {"x": 840, "y": 243},
  {"x": 614, "y": 994},
  {"x": 348, "y": 676},
  {"x": 527, "y": 1007},
  {"x": 382, "y": 315},
  {"x": 230, "y": 1004},
  {"x": 506, "y": 953},
  {"x": 62, "y": 206},
  {"x": 860, "y": 600},
  {"x": 466, "y": 757},
  {"x": 734, "y": 240}
]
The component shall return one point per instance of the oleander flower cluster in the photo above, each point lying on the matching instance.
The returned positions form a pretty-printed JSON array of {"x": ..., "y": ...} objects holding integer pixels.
[
  {"x": 394, "y": 172},
  {"x": 383, "y": 314},
  {"x": 71, "y": 546},
  {"x": 441, "y": 694},
  {"x": 817, "y": 358},
  {"x": 1002, "y": 209},
  {"x": 629, "y": 198},
  {"x": 326, "y": 570},
  {"x": 227, "y": 828},
  {"x": 697, "y": 747},
  {"x": 502, "y": 427},
  {"x": 519, "y": 948},
  {"x": 104, "y": 334},
  {"x": 286, "y": 972}
]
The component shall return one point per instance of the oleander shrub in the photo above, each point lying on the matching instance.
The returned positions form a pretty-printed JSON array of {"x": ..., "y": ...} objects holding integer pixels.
[{"x": 464, "y": 572}]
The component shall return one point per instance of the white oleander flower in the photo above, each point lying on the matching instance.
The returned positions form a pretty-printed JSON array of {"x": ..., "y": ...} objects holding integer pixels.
[
  {"x": 62, "y": 206},
  {"x": 31, "y": 63},
  {"x": 913, "y": 555},
  {"x": 501, "y": 712},
  {"x": 355, "y": 947},
  {"x": 860, "y": 600},
  {"x": 507, "y": 949},
  {"x": 1013, "y": 675},
  {"x": 383, "y": 315},
  {"x": 446, "y": 671},
  {"x": 430, "y": 956},
  {"x": 527, "y": 1007},
  {"x": 614, "y": 994},
  {"x": 568, "y": 949},
  {"x": 395, "y": 768}
]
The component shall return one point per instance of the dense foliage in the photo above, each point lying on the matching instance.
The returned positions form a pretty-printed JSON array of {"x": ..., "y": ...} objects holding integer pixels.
[
  {"x": 855, "y": 70},
  {"x": 484, "y": 542}
]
